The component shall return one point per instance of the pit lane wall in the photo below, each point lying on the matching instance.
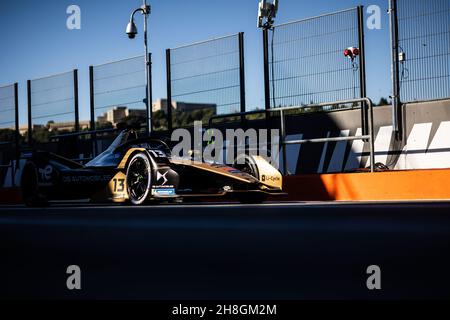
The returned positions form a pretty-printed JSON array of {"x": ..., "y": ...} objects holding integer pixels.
[{"x": 426, "y": 142}]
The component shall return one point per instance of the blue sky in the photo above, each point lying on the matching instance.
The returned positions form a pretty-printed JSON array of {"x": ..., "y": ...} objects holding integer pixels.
[{"x": 35, "y": 41}]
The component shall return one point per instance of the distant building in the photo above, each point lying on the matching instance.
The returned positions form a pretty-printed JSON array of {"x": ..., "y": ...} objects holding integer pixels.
[
  {"x": 161, "y": 104},
  {"x": 117, "y": 114},
  {"x": 56, "y": 126},
  {"x": 23, "y": 129},
  {"x": 68, "y": 126}
]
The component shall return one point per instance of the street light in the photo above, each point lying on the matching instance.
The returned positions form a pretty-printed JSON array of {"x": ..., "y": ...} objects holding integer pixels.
[{"x": 132, "y": 31}]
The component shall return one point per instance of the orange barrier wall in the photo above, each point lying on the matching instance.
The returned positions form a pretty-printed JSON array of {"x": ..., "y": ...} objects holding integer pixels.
[
  {"x": 390, "y": 185},
  {"x": 383, "y": 186}
]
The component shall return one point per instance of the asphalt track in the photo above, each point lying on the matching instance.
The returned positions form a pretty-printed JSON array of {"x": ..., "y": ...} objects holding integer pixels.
[{"x": 227, "y": 251}]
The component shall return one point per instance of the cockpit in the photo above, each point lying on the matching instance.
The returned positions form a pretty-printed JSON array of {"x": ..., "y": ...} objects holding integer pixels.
[
  {"x": 109, "y": 157},
  {"x": 126, "y": 139}
]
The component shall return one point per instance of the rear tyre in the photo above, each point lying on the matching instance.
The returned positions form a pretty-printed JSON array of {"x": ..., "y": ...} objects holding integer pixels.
[
  {"x": 139, "y": 178},
  {"x": 30, "y": 187}
]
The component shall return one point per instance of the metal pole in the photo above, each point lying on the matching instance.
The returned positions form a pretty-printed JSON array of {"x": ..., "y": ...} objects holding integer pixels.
[
  {"x": 92, "y": 107},
  {"x": 147, "y": 74},
  {"x": 242, "y": 75},
  {"x": 371, "y": 140},
  {"x": 91, "y": 96},
  {"x": 16, "y": 114},
  {"x": 169, "y": 92},
  {"x": 150, "y": 92},
  {"x": 75, "y": 98},
  {"x": 30, "y": 133},
  {"x": 266, "y": 69},
  {"x": 283, "y": 141},
  {"x": 396, "y": 110},
  {"x": 362, "y": 69},
  {"x": 267, "y": 83},
  {"x": 322, "y": 140},
  {"x": 17, "y": 133}
]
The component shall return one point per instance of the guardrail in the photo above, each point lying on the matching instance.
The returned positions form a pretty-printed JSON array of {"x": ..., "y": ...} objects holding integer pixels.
[{"x": 365, "y": 102}]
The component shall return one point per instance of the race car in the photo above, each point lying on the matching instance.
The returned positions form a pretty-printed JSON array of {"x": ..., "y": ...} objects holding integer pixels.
[{"x": 139, "y": 170}]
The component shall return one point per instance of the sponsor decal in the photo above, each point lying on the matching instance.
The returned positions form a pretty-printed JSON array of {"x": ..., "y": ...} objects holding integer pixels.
[
  {"x": 157, "y": 153},
  {"x": 164, "y": 192},
  {"x": 46, "y": 173},
  {"x": 265, "y": 178},
  {"x": 162, "y": 176},
  {"x": 90, "y": 178}
]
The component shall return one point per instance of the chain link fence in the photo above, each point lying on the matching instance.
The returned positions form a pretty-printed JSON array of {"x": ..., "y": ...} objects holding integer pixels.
[
  {"x": 7, "y": 110},
  {"x": 118, "y": 93},
  {"x": 424, "y": 40},
  {"x": 52, "y": 106},
  {"x": 307, "y": 63},
  {"x": 204, "y": 79},
  {"x": 9, "y": 131}
]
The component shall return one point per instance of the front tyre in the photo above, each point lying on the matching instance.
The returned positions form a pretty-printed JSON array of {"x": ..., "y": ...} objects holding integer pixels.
[{"x": 139, "y": 178}]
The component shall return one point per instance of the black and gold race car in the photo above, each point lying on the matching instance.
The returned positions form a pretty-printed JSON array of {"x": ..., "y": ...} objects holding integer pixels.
[{"x": 138, "y": 170}]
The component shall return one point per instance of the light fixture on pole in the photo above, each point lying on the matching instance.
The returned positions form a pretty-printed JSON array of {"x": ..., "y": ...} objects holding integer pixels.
[
  {"x": 267, "y": 11},
  {"x": 132, "y": 31}
]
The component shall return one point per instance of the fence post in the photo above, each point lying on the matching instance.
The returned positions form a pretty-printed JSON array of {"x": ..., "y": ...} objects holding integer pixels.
[
  {"x": 147, "y": 100},
  {"x": 169, "y": 92},
  {"x": 30, "y": 133},
  {"x": 150, "y": 95},
  {"x": 16, "y": 112},
  {"x": 91, "y": 106},
  {"x": 396, "y": 108},
  {"x": 242, "y": 76},
  {"x": 266, "y": 69},
  {"x": 362, "y": 69},
  {"x": 91, "y": 96},
  {"x": 17, "y": 134},
  {"x": 75, "y": 98},
  {"x": 265, "y": 32}
]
